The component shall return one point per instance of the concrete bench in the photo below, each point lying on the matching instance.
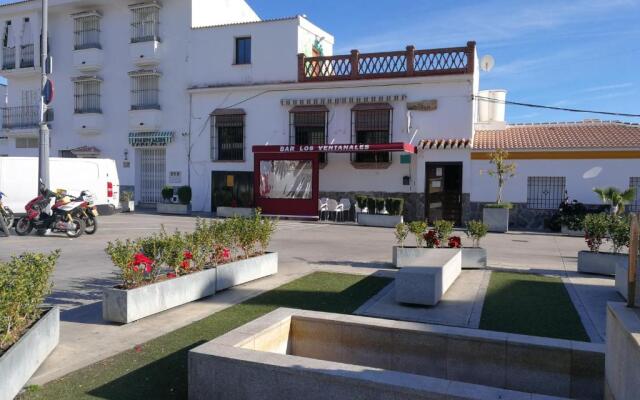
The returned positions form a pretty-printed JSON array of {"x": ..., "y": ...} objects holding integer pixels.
[{"x": 426, "y": 279}]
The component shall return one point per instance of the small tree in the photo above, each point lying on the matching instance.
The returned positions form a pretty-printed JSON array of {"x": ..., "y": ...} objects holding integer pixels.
[
  {"x": 502, "y": 170},
  {"x": 619, "y": 232},
  {"x": 595, "y": 228},
  {"x": 443, "y": 229},
  {"x": 476, "y": 230},
  {"x": 402, "y": 231},
  {"x": 417, "y": 228},
  {"x": 615, "y": 198}
]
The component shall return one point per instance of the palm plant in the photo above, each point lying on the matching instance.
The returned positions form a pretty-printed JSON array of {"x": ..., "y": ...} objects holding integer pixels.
[{"x": 615, "y": 198}]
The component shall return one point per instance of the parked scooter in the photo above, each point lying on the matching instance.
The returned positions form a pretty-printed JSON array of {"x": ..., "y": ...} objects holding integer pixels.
[
  {"x": 5, "y": 213},
  {"x": 63, "y": 218},
  {"x": 88, "y": 211}
]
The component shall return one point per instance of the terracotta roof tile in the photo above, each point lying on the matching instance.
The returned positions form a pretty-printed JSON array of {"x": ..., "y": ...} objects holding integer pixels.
[
  {"x": 589, "y": 134},
  {"x": 441, "y": 144}
]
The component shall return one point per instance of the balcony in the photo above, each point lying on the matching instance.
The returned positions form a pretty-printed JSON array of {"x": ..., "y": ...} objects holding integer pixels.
[
  {"x": 145, "y": 54},
  {"x": 88, "y": 59},
  {"x": 24, "y": 119},
  {"x": 24, "y": 65},
  {"x": 395, "y": 64},
  {"x": 88, "y": 123}
]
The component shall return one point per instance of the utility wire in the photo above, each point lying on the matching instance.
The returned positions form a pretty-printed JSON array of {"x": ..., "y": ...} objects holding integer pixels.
[{"x": 516, "y": 103}]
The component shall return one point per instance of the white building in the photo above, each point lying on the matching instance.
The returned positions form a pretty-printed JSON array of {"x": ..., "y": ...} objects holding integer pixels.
[{"x": 205, "y": 93}]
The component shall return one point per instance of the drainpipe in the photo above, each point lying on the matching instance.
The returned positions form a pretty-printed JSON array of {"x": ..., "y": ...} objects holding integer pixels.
[{"x": 189, "y": 142}]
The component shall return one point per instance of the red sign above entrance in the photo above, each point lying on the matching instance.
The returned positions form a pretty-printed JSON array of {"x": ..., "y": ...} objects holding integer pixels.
[{"x": 336, "y": 148}]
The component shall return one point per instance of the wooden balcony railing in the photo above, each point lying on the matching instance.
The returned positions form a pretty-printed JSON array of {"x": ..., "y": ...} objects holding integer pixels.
[{"x": 394, "y": 64}]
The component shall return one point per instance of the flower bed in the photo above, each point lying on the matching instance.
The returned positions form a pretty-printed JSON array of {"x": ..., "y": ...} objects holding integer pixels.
[
  {"x": 163, "y": 271},
  {"x": 27, "y": 333},
  {"x": 600, "y": 228}
]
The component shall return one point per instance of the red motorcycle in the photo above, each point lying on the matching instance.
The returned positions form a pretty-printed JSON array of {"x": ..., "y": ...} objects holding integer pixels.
[{"x": 63, "y": 218}]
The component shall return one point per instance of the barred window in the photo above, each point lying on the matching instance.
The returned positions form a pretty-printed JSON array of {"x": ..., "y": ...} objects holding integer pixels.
[
  {"x": 8, "y": 47},
  {"x": 545, "y": 192},
  {"x": 145, "y": 22},
  {"x": 634, "y": 182},
  {"x": 145, "y": 92},
  {"x": 87, "y": 96},
  {"x": 87, "y": 31},
  {"x": 227, "y": 135},
  {"x": 27, "y": 143},
  {"x": 371, "y": 124},
  {"x": 308, "y": 125},
  {"x": 243, "y": 50}
]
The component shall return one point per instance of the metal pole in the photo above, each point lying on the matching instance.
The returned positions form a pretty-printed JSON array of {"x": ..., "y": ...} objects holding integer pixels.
[
  {"x": 43, "y": 154},
  {"x": 633, "y": 261}
]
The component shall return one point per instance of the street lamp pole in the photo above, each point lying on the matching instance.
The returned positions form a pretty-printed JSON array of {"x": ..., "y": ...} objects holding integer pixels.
[{"x": 43, "y": 153}]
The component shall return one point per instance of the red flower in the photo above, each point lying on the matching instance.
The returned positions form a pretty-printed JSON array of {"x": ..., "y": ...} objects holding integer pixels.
[
  {"x": 226, "y": 253},
  {"x": 135, "y": 268},
  {"x": 184, "y": 264},
  {"x": 140, "y": 258},
  {"x": 188, "y": 255},
  {"x": 171, "y": 275},
  {"x": 148, "y": 268},
  {"x": 455, "y": 242}
]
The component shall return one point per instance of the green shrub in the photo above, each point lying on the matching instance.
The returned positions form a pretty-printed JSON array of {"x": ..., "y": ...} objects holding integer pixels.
[
  {"x": 184, "y": 194},
  {"x": 371, "y": 205},
  {"x": 572, "y": 215},
  {"x": 25, "y": 281},
  {"x": 223, "y": 198},
  {"x": 476, "y": 230},
  {"x": 122, "y": 253},
  {"x": 379, "y": 205},
  {"x": 394, "y": 206},
  {"x": 167, "y": 193},
  {"x": 443, "y": 229},
  {"x": 417, "y": 228},
  {"x": 402, "y": 231},
  {"x": 619, "y": 231},
  {"x": 595, "y": 228},
  {"x": 361, "y": 201}
]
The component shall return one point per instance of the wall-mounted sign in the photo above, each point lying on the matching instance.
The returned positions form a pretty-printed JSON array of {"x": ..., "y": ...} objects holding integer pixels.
[
  {"x": 336, "y": 148},
  {"x": 424, "y": 105},
  {"x": 148, "y": 139}
]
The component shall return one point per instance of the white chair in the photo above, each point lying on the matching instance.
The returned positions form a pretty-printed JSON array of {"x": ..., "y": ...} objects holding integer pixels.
[
  {"x": 333, "y": 207},
  {"x": 322, "y": 206},
  {"x": 346, "y": 208}
]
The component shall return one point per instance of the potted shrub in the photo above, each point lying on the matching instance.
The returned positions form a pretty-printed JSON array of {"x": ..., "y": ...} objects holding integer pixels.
[
  {"x": 600, "y": 228},
  {"x": 475, "y": 256},
  {"x": 28, "y": 333},
  {"x": 572, "y": 218},
  {"x": 496, "y": 215},
  {"x": 169, "y": 206},
  {"x": 126, "y": 202},
  {"x": 376, "y": 215},
  {"x": 164, "y": 270}
]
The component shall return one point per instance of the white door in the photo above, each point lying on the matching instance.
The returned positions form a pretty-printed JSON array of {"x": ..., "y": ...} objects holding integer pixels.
[{"x": 151, "y": 167}]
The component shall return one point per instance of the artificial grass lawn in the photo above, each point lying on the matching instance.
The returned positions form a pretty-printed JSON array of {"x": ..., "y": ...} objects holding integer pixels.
[
  {"x": 158, "y": 369},
  {"x": 531, "y": 305}
]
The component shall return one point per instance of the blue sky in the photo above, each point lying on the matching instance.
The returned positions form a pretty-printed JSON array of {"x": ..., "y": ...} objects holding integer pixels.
[{"x": 576, "y": 54}]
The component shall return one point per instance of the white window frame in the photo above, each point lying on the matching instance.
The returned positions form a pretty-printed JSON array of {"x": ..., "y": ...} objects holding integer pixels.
[{"x": 543, "y": 192}]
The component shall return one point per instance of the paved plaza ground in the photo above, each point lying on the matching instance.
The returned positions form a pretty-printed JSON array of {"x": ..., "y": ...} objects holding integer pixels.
[{"x": 303, "y": 247}]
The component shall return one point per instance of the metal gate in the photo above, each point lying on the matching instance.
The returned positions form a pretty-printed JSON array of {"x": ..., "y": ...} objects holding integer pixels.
[{"x": 152, "y": 174}]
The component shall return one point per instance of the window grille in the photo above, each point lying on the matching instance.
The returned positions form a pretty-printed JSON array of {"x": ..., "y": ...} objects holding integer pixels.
[
  {"x": 309, "y": 127},
  {"x": 27, "y": 143},
  {"x": 8, "y": 48},
  {"x": 87, "y": 96},
  {"x": 26, "y": 56},
  {"x": 87, "y": 32},
  {"x": 227, "y": 137},
  {"x": 243, "y": 50},
  {"x": 545, "y": 192},
  {"x": 145, "y": 92},
  {"x": 371, "y": 126},
  {"x": 145, "y": 23},
  {"x": 634, "y": 182}
]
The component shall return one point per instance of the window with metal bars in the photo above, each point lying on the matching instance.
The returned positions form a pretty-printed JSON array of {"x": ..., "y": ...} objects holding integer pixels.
[
  {"x": 145, "y": 92},
  {"x": 87, "y": 32},
  {"x": 227, "y": 137},
  {"x": 309, "y": 127},
  {"x": 145, "y": 23},
  {"x": 371, "y": 125},
  {"x": 634, "y": 182},
  {"x": 27, "y": 143},
  {"x": 545, "y": 192},
  {"x": 87, "y": 96},
  {"x": 8, "y": 48}
]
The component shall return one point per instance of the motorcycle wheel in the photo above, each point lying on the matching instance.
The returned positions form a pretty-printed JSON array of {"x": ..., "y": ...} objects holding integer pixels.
[
  {"x": 23, "y": 227},
  {"x": 79, "y": 228},
  {"x": 91, "y": 225},
  {"x": 8, "y": 217}
]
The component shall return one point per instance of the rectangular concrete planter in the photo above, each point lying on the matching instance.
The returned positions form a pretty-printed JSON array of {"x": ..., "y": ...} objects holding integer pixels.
[
  {"x": 229, "y": 212},
  {"x": 22, "y": 359},
  {"x": 243, "y": 271},
  {"x": 429, "y": 277},
  {"x": 622, "y": 364},
  {"x": 172, "y": 208},
  {"x": 497, "y": 219},
  {"x": 472, "y": 258},
  {"x": 125, "y": 306},
  {"x": 379, "y": 220},
  {"x": 600, "y": 263},
  {"x": 569, "y": 232},
  {"x": 622, "y": 277}
]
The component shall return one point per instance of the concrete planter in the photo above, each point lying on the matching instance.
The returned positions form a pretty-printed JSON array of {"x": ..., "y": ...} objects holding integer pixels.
[
  {"x": 569, "y": 232},
  {"x": 128, "y": 206},
  {"x": 601, "y": 263},
  {"x": 125, "y": 306},
  {"x": 472, "y": 258},
  {"x": 243, "y": 271},
  {"x": 22, "y": 359},
  {"x": 497, "y": 219},
  {"x": 230, "y": 212},
  {"x": 622, "y": 277},
  {"x": 172, "y": 208},
  {"x": 379, "y": 220}
]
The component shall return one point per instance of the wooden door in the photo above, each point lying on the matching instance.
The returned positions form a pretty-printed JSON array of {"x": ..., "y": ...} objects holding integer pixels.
[{"x": 444, "y": 192}]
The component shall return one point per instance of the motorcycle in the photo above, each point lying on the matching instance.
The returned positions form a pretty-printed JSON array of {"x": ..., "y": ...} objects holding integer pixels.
[
  {"x": 63, "y": 218},
  {"x": 88, "y": 211},
  {"x": 5, "y": 213}
]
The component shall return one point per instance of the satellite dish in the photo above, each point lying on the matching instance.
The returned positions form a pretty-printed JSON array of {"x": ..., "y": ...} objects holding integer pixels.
[{"x": 487, "y": 63}]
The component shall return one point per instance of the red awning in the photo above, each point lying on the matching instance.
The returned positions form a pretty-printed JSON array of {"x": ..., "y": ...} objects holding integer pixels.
[{"x": 337, "y": 148}]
